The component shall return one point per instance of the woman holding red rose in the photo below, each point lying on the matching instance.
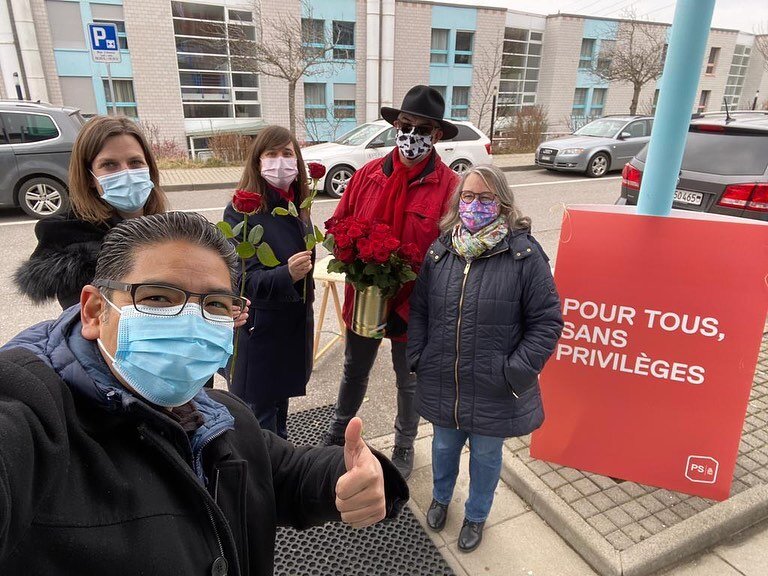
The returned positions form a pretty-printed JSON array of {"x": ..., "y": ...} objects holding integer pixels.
[{"x": 274, "y": 359}]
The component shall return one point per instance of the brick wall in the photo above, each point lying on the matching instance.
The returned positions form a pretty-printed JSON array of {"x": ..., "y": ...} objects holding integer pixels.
[
  {"x": 361, "y": 53},
  {"x": 757, "y": 74},
  {"x": 726, "y": 41},
  {"x": 489, "y": 38},
  {"x": 155, "y": 72},
  {"x": 413, "y": 38},
  {"x": 559, "y": 63},
  {"x": 45, "y": 46}
]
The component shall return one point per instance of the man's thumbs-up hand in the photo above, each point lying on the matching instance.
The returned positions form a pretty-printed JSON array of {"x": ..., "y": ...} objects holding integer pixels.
[{"x": 360, "y": 492}]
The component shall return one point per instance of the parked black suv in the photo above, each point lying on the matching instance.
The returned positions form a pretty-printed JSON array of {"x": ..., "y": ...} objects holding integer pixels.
[
  {"x": 35, "y": 144},
  {"x": 724, "y": 170}
]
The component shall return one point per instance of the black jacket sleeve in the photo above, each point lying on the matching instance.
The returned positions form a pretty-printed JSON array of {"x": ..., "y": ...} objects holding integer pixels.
[
  {"x": 418, "y": 322},
  {"x": 33, "y": 444}
]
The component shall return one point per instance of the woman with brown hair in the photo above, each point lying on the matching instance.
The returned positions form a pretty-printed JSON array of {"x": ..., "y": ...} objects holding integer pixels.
[
  {"x": 112, "y": 176},
  {"x": 274, "y": 359}
]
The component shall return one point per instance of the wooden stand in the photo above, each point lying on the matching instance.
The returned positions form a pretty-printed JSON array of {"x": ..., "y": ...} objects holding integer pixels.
[{"x": 328, "y": 281}]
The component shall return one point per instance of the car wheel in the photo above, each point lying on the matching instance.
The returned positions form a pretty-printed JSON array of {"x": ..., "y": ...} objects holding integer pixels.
[
  {"x": 598, "y": 165},
  {"x": 461, "y": 166},
  {"x": 337, "y": 179},
  {"x": 43, "y": 197}
]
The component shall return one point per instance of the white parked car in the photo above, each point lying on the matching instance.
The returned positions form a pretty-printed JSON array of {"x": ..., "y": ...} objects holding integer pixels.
[{"x": 375, "y": 139}]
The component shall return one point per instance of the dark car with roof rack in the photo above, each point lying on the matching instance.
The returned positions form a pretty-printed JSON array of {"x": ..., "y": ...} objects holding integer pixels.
[
  {"x": 724, "y": 168},
  {"x": 36, "y": 141}
]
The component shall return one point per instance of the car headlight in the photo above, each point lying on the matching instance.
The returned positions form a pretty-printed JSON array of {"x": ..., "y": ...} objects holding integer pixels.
[{"x": 571, "y": 151}]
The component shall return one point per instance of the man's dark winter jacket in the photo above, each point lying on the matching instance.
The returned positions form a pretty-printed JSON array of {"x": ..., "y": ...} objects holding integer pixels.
[
  {"x": 480, "y": 333},
  {"x": 64, "y": 260},
  {"x": 93, "y": 480}
]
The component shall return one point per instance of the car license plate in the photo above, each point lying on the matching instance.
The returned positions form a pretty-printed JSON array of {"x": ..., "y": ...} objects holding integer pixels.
[
  {"x": 685, "y": 197},
  {"x": 545, "y": 158}
]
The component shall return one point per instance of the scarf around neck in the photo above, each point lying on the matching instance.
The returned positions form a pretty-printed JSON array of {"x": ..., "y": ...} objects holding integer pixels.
[
  {"x": 393, "y": 199},
  {"x": 471, "y": 246}
]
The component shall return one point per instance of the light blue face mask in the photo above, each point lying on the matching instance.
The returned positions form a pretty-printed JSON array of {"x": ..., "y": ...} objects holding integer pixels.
[
  {"x": 126, "y": 190},
  {"x": 168, "y": 359}
]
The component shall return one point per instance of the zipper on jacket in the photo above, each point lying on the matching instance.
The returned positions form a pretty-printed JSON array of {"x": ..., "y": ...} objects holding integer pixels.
[
  {"x": 198, "y": 458},
  {"x": 220, "y": 565},
  {"x": 458, "y": 343}
]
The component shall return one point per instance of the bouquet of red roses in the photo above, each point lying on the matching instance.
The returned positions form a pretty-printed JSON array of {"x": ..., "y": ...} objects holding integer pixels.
[{"x": 370, "y": 255}]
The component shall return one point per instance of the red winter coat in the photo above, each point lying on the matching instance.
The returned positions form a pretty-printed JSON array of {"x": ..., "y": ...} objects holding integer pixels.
[{"x": 428, "y": 199}]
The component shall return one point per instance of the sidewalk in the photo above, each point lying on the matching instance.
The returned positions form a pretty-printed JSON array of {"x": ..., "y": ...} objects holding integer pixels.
[
  {"x": 518, "y": 541},
  {"x": 191, "y": 179}
]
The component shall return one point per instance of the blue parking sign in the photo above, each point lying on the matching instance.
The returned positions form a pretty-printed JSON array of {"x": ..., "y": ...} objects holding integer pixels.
[{"x": 102, "y": 39}]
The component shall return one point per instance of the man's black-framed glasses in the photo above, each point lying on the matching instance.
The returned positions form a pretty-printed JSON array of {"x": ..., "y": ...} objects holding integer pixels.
[
  {"x": 421, "y": 130},
  {"x": 165, "y": 300},
  {"x": 486, "y": 198}
]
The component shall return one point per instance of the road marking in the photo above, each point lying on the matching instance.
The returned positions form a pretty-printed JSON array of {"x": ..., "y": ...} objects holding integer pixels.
[
  {"x": 18, "y": 223},
  {"x": 556, "y": 182}
]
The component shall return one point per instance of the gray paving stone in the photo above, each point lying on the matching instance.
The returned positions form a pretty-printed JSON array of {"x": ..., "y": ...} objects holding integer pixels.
[
  {"x": 585, "y": 508},
  {"x": 602, "y": 502},
  {"x": 603, "y": 482},
  {"x": 684, "y": 510},
  {"x": 634, "y": 490},
  {"x": 586, "y": 486},
  {"x": 747, "y": 552},
  {"x": 707, "y": 565},
  {"x": 700, "y": 504},
  {"x": 619, "y": 517},
  {"x": 539, "y": 467},
  {"x": 553, "y": 480},
  {"x": 652, "y": 524},
  {"x": 571, "y": 474},
  {"x": 619, "y": 540},
  {"x": 749, "y": 464},
  {"x": 568, "y": 493},
  {"x": 650, "y": 503},
  {"x": 635, "y": 510},
  {"x": 617, "y": 495},
  {"x": 636, "y": 532},
  {"x": 667, "y": 517},
  {"x": 602, "y": 524}
]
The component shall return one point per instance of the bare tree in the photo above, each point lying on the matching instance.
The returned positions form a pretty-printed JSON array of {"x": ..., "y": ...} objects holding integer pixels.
[
  {"x": 761, "y": 42},
  {"x": 485, "y": 81},
  {"x": 287, "y": 46},
  {"x": 316, "y": 128},
  {"x": 636, "y": 56}
]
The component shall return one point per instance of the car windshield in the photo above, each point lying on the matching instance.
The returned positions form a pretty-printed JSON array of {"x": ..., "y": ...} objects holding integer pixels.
[
  {"x": 359, "y": 135},
  {"x": 603, "y": 128}
]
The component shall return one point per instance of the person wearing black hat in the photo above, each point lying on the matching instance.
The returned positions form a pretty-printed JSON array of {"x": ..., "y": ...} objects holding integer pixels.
[{"x": 409, "y": 189}]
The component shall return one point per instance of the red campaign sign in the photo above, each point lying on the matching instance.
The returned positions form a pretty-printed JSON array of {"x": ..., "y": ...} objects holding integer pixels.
[{"x": 663, "y": 323}]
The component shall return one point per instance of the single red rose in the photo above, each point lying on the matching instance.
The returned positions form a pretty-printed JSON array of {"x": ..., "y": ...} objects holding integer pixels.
[
  {"x": 355, "y": 231},
  {"x": 380, "y": 228},
  {"x": 342, "y": 240},
  {"x": 316, "y": 170},
  {"x": 331, "y": 224},
  {"x": 391, "y": 243},
  {"x": 365, "y": 249},
  {"x": 381, "y": 255},
  {"x": 410, "y": 253},
  {"x": 346, "y": 255},
  {"x": 246, "y": 202}
]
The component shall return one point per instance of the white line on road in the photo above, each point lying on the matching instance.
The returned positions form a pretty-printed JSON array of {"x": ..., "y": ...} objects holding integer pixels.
[{"x": 556, "y": 182}]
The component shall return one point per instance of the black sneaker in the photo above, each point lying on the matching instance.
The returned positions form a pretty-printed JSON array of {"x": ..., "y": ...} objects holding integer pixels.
[
  {"x": 470, "y": 536},
  {"x": 436, "y": 515},
  {"x": 332, "y": 440},
  {"x": 402, "y": 458}
]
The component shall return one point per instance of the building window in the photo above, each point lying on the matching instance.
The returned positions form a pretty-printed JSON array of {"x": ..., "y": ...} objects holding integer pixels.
[
  {"x": 343, "y": 40},
  {"x": 579, "y": 102},
  {"x": 736, "y": 75},
  {"x": 213, "y": 83},
  {"x": 314, "y": 100},
  {"x": 587, "y": 53},
  {"x": 714, "y": 56},
  {"x": 605, "y": 54},
  {"x": 520, "y": 63},
  {"x": 703, "y": 101},
  {"x": 125, "y": 99},
  {"x": 122, "y": 39},
  {"x": 598, "y": 102},
  {"x": 313, "y": 36},
  {"x": 441, "y": 90},
  {"x": 463, "y": 51},
  {"x": 438, "y": 53},
  {"x": 344, "y": 101},
  {"x": 460, "y": 103}
]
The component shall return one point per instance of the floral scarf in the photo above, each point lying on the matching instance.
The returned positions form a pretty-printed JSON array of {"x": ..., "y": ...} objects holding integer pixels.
[{"x": 471, "y": 246}]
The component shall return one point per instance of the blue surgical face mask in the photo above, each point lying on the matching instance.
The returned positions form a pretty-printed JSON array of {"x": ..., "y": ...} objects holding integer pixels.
[
  {"x": 126, "y": 190},
  {"x": 168, "y": 359}
]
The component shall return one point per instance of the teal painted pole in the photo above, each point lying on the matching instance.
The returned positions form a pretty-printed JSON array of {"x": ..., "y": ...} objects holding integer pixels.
[{"x": 685, "y": 55}]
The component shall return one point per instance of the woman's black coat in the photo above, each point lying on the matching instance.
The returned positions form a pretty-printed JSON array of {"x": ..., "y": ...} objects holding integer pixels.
[
  {"x": 479, "y": 335},
  {"x": 274, "y": 356}
]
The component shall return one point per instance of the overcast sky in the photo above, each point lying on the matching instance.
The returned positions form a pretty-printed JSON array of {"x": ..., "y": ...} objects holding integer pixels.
[{"x": 744, "y": 15}]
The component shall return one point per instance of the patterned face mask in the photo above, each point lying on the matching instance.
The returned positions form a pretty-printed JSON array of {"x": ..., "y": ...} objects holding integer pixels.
[
  {"x": 412, "y": 145},
  {"x": 476, "y": 215}
]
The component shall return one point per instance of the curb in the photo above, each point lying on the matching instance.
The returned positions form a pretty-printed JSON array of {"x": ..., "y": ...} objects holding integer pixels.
[
  {"x": 196, "y": 187},
  {"x": 692, "y": 535},
  {"x": 522, "y": 168}
]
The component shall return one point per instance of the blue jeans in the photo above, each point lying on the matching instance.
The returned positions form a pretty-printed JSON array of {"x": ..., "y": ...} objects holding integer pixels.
[
  {"x": 272, "y": 415},
  {"x": 484, "y": 469}
]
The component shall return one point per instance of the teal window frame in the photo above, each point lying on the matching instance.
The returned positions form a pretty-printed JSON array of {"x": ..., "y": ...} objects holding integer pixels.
[
  {"x": 469, "y": 53},
  {"x": 586, "y": 62},
  {"x": 445, "y": 53}
]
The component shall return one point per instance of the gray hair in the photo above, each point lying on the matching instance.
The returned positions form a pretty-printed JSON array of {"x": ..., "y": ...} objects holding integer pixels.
[
  {"x": 496, "y": 181},
  {"x": 118, "y": 252}
]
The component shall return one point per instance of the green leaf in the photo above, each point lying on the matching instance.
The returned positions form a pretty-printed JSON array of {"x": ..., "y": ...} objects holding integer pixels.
[
  {"x": 306, "y": 203},
  {"x": 337, "y": 266},
  {"x": 256, "y": 234},
  {"x": 237, "y": 229},
  {"x": 310, "y": 241},
  {"x": 292, "y": 209},
  {"x": 266, "y": 256},
  {"x": 329, "y": 243},
  {"x": 319, "y": 237},
  {"x": 279, "y": 211},
  {"x": 245, "y": 250},
  {"x": 226, "y": 229},
  {"x": 371, "y": 269}
]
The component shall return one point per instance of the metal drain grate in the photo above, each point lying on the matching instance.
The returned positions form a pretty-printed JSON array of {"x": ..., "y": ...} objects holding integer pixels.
[{"x": 394, "y": 548}]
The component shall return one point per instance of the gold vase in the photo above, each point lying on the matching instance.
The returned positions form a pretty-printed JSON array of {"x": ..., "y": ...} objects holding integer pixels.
[{"x": 369, "y": 313}]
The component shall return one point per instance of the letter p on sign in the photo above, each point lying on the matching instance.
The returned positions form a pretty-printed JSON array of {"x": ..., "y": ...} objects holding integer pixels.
[{"x": 701, "y": 469}]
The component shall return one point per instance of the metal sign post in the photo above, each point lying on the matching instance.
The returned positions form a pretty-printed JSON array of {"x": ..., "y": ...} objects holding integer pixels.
[{"x": 105, "y": 49}]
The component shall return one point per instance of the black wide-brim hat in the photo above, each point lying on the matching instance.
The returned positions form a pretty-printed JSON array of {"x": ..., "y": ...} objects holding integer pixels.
[{"x": 425, "y": 102}]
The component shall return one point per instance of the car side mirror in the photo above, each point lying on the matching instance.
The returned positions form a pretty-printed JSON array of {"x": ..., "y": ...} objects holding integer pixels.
[
  {"x": 625, "y": 135},
  {"x": 376, "y": 144}
]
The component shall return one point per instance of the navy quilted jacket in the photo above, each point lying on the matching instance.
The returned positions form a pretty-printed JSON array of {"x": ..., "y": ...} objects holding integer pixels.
[{"x": 480, "y": 333}]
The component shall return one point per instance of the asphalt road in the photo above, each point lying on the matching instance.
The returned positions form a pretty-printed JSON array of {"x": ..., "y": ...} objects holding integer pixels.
[{"x": 540, "y": 194}]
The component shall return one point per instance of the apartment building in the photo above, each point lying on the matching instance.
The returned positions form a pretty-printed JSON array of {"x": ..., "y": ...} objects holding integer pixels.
[{"x": 180, "y": 72}]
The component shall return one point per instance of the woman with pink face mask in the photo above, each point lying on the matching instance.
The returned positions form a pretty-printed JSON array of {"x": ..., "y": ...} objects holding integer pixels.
[{"x": 274, "y": 359}]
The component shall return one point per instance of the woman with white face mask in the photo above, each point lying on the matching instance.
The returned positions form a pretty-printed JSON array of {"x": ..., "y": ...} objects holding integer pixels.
[
  {"x": 274, "y": 358},
  {"x": 112, "y": 176}
]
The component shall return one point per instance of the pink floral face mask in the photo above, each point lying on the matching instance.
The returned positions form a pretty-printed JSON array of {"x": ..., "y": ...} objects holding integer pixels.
[{"x": 476, "y": 215}]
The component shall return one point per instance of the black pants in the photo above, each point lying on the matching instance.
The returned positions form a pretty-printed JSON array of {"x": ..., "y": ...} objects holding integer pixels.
[
  {"x": 359, "y": 356},
  {"x": 272, "y": 415}
]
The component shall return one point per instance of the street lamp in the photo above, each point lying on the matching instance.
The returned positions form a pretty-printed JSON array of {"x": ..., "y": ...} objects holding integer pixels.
[
  {"x": 493, "y": 113},
  {"x": 754, "y": 102},
  {"x": 17, "y": 82}
]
